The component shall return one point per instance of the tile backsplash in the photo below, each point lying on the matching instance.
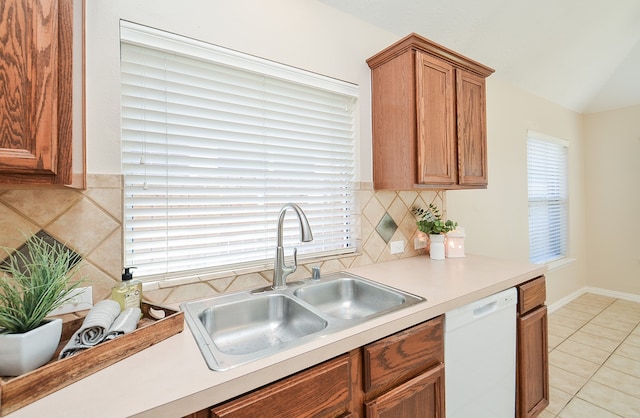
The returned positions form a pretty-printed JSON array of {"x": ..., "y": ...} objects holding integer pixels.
[
  {"x": 87, "y": 221},
  {"x": 90, "y": 223}
]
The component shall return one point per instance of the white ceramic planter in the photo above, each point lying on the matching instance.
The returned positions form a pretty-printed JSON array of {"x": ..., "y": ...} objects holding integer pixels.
[
  {"x": 436, "y": 247},
  {"x": 21, "y": 353}
]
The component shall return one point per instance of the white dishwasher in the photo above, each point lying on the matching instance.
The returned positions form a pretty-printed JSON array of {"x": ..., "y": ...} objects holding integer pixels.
[{"x": 480, "y": 358}]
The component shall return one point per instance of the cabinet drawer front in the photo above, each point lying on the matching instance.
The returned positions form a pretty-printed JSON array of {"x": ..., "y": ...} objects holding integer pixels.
[
  {"x": 531, "y": 295},
  {"x": 323, "y": 390},
  {"x": 402, "y": 356}
]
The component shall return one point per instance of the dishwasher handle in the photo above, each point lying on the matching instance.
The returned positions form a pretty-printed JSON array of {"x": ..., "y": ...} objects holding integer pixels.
[
  {"x": 484, "y": 310},
  {"x": 466, "y": 314}
]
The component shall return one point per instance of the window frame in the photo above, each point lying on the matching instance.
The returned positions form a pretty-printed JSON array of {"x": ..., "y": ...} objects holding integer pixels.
[
  {"x": 556, "y": 180},
  {"x": 138, "y": 35}
]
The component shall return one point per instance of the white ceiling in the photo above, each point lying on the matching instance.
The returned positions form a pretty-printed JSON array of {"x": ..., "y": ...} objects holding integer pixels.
[{"x": 581, "y": 54}]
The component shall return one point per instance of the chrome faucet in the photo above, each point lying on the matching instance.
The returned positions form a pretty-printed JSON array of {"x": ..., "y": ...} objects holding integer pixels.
[{"x": 280, "y": 269}]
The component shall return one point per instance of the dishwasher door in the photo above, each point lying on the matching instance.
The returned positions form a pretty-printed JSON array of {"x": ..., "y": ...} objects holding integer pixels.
[{"x": 480, "y": 358}]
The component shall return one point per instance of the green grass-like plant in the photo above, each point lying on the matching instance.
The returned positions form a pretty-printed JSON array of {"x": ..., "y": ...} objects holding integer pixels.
[
  {"x": 33, "y": 285},
  {"x": 430, "y": 221}
]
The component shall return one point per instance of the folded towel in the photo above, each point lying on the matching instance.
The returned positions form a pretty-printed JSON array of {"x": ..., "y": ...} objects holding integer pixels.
[
  {"x": 125, "y": 323},
  {"x": 94, "y": 327},
  {"x": 98, "y": 321}
]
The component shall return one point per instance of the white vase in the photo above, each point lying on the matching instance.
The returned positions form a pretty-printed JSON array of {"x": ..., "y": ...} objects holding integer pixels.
[
  {"x": 436, "y": 247},
  {"x": 21, "y": 353}
]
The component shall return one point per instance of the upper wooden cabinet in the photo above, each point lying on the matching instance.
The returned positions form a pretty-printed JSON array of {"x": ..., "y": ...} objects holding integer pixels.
[
  {"x": 429, "y": 120},
  {"x": 37, "y": 92}
]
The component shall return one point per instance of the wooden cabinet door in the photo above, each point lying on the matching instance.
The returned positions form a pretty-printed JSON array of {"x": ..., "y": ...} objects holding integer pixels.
[
  {"x": 321, "y": 391},
  {"x": 420, "y": 397},
  {"x": 471, "y": 129},
  {"x": 35, "y": 91},
  {"x": 435, "y": 121},
  {"x": 532, "y": 376},
  {"x": 393, "y": 123}
]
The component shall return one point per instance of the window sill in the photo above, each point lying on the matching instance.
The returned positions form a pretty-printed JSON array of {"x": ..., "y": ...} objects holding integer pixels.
[{"x": 561, "y": 263}]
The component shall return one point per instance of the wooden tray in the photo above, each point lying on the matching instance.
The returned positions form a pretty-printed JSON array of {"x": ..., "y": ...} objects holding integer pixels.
[{"x": 157, "y": 324}]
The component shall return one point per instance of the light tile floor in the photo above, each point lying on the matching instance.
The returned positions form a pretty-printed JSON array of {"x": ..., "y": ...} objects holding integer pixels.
[{"x": 594, "y": 359}]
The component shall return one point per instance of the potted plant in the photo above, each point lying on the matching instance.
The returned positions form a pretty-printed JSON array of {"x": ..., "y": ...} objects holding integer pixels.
[
  {"x": 431, "y": 223},
  {"x": 32, "y": 284}
]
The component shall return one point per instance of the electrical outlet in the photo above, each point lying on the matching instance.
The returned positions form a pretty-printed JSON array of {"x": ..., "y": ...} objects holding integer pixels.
[
  {"x": 81, "y": 299},
  {"x": 397, "y": 246},
  {"x": 419, "y": 243}
]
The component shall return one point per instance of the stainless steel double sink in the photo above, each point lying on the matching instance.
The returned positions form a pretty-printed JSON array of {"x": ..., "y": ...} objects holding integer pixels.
[{"x": 238, "y": 328}]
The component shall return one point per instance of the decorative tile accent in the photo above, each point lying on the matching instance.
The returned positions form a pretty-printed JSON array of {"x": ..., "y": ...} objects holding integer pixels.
[
  {"x": 386, "y": 227},
  {"x": 74, "y": 258}
]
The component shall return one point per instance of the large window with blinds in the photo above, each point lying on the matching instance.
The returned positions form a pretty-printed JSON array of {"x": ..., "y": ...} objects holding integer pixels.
[
  {"x": 548, "y": 200},
  {"x": 214, "y": 142}
]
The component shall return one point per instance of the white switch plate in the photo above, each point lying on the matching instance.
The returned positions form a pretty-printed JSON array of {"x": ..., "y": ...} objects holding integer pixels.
[
  {"x": 81, "y": 299},
  {"x": 419, "y": 243},
  {"x": 397, "y": 246}
]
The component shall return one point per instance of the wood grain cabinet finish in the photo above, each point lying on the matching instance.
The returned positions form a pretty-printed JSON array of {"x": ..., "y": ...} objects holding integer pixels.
[
  {"x": 429, "y": 121},
  {"x": 321, "y": 391},
  {"x": 422, "y": 396},
  {"x": 404, "y": 373},
  {"x": 36, "y": 44},
  {"x": 532, "y": 372}
]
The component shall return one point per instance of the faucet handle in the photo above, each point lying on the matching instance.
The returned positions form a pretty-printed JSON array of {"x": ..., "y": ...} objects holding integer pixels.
[
  {"x": 315, "y": 273},
  {"x": 295, "y": 259}
]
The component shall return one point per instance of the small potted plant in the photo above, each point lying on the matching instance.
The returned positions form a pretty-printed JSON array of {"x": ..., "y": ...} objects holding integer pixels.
[
  {"x": 32, "y": 284},
  {"x": 431, "y": 223}
]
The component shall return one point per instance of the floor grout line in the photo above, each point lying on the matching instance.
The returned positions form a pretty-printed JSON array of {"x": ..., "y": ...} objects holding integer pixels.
[{"x": 600, "y": 364}]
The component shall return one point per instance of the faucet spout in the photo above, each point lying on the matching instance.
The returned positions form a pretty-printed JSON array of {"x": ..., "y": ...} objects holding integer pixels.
[{"x": 280, "y": 269}]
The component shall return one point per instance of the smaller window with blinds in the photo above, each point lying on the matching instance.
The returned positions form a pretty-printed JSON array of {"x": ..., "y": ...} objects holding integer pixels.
[
  {"x": 215, "y": 142},
  {"x": 548, "y": 200}
]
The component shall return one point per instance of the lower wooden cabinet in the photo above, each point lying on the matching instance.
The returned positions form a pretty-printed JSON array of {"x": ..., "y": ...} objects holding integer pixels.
[
  {"x": 399, "y": 376},
  {"x": 404, "y": 373},
  {"x": 321, "y": 391},
  {"x": 532, "y": 372},
  {"x": 422, "y": 396}
]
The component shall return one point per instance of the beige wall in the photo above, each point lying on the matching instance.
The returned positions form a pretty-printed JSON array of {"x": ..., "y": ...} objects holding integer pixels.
[
  {"x": 613, "y": 199},
  {"x": 496, "y": 219}
]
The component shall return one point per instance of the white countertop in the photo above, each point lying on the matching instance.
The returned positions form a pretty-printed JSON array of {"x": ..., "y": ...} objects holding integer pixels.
[{"x": 171, "y": 379}]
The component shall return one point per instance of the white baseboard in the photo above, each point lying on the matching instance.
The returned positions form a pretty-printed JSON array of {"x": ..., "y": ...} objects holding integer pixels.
[{"x": 595, "y": 290}]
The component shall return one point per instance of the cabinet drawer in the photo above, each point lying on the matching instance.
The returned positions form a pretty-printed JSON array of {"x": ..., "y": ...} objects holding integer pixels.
[
  {"x": 401, "y": 356},
  {"x": 323, "y": 390},
  {"x": 531, "y": 295}
]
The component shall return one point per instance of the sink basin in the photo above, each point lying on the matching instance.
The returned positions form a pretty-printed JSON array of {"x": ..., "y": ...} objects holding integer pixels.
[
  {"x": 237, "y": 328},
  {"x": 255, "y": 324},
  {"x": 349, "y": 298}
]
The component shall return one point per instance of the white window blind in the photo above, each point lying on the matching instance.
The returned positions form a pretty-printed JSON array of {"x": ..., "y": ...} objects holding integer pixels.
[
  {"x": 547, "y": 184},
  {"x": 214, "y": 142}
]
